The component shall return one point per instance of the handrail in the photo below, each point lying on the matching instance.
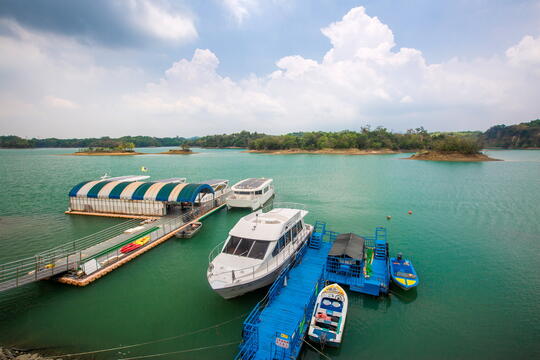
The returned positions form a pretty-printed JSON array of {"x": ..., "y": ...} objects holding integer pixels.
[{"x": 283, "y": 204}]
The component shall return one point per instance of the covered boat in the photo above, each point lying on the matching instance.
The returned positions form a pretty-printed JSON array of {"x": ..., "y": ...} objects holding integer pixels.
[
  {"x": 403, "y": 273},
  {"x": 329, "y": 316}
]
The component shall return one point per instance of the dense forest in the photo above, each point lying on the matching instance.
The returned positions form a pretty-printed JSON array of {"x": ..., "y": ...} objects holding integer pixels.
[
  {"x": 104, "y": 142},
  {"x": 523, "y": 135}
]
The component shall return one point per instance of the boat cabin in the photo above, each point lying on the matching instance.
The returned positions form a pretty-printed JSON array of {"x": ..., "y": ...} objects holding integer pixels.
[{"x": 251, "y": 193}]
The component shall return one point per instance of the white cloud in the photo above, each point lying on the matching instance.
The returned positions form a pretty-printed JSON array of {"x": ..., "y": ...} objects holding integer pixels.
[
  {"x": 58, "y": 102},
  {"x": 362, "y": 79},
  {"x": 161, "y": 22},
  {"x": 241, "y": 9}
]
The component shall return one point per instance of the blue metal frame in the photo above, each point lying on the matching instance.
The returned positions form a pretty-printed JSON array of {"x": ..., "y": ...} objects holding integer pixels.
[{"x": 272, "y": 316}]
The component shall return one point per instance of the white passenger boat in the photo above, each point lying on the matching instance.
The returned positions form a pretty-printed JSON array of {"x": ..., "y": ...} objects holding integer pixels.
[
  {"x": 329, "y": 316},
  {"x": 257, "y": 248},
  {"x": 251, "y": 193}
]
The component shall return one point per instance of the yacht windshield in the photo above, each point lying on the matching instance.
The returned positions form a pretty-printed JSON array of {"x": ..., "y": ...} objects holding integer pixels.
[{"x": 255, "y": 249}]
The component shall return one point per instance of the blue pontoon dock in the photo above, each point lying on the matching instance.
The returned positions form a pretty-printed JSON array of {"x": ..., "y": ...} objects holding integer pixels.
[{"x": 276, "y": 327}]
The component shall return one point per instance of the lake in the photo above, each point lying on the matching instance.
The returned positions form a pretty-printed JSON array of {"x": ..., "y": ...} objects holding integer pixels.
[{"x": 474, "y": 238}]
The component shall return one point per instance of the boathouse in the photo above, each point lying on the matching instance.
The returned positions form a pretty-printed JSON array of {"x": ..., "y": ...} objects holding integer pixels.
[{"x": 134, "y": 197}]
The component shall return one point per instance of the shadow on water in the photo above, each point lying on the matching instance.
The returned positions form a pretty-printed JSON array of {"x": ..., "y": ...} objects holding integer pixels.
[{"x": 403, "y": 296}]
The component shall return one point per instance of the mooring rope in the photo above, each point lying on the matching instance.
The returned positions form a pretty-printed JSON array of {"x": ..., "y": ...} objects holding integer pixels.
[
  {"x": 317, "y": 350},
  {"x": 181, "y": 351},
  {"x": 154, "y": 341}
]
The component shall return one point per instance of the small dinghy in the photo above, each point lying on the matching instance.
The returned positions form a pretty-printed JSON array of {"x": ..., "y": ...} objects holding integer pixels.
[
  {"x": 329, "y": 316},
  {"x": 403, "y": 273},
  {"x": 135, "y": 245},
  {"x": 189, "y": 230}
]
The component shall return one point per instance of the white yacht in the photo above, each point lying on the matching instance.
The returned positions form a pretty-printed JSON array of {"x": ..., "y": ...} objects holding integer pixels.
[
  {"x": 256, "y": 250},
  {"x": 251, "y": 193}
]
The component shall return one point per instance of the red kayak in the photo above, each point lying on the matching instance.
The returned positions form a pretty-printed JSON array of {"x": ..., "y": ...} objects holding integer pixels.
[
  {"x": 129, "y": 247},
  {"x": 135, "y": 245}
]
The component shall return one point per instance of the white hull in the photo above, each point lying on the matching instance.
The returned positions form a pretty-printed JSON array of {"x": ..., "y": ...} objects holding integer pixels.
[
  {"x": 241, "y": 288},
  {"x": 329, "y": 315}
]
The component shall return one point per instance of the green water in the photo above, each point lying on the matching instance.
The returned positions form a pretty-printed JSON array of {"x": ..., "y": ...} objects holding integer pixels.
[{"x": 474, "y": 236}]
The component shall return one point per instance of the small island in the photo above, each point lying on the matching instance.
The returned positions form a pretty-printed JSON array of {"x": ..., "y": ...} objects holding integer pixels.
[
  {"x": 450, "y": 156},
  {"x": 452, "y": 148},
  {"x": 109, "y": 149},
  {"x": 183, "y": 150}
]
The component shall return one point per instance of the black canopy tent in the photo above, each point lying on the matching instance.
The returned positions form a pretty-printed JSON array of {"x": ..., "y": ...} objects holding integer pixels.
[{"x": 350, "y": 245}]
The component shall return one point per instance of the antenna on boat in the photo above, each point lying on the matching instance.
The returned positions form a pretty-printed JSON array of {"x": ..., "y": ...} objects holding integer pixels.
[{"x": 256, "y": 221}]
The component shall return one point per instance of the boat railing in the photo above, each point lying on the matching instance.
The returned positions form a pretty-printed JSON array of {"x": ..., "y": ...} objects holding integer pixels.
[
  {"x": 283, "y": 204},
  {"x": 250, "y": 272}
]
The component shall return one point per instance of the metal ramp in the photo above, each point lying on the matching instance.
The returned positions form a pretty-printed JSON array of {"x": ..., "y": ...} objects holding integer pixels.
[{"x": 276, "y": 327}]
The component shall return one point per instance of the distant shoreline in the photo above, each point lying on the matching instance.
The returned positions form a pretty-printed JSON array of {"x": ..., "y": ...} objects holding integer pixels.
[
  {"x": 330, "y": 152},
  {"x": 450, "y": 156},
  {"x": 127, "y": 153}
]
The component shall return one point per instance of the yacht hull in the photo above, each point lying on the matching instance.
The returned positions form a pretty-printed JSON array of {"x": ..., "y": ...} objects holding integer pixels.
[{"x": 241, "y": 289}]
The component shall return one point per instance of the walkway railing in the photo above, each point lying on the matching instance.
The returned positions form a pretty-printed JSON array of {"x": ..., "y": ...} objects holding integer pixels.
[{"x": 72, "y": 255}]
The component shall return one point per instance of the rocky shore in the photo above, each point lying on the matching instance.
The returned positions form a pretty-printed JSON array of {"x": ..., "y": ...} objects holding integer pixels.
[{"x": 12, "y": 354}]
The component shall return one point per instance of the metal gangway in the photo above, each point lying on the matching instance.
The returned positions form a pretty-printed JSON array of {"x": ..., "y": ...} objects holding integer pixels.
[{"x": 102, "y": 244}]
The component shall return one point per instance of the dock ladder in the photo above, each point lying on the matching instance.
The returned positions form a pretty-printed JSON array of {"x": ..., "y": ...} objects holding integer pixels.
[{"x": 318, "y": 232}]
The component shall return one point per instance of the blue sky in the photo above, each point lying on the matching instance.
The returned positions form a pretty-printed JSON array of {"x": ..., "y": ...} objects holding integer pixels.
[{"x": 95, "y": 68}]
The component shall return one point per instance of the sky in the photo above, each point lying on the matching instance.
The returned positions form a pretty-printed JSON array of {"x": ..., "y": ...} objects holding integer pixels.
[{"x": 94, "y": 68}]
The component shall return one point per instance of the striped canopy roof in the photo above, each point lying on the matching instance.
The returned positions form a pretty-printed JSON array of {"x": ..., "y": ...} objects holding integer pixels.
[{"x": 140, "y": 190}]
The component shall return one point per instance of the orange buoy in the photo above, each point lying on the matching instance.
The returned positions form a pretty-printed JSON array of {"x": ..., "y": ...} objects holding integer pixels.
[{"x": 410, "y": 212}]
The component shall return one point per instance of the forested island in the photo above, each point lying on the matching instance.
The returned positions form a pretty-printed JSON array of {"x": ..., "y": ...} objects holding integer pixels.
[{"x": 367, "y": 140}]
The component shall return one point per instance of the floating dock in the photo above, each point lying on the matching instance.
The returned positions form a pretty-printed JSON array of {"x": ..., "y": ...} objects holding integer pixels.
[{"x": 276, "y": 327}]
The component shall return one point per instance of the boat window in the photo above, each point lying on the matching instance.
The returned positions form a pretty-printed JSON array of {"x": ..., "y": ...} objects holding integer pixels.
[
  {"x": 258, "y": 192},
  {"x": 279, "y": 246},
  {"x": 242, "y": 192},
  {"x": 231, "y": 245},
  {"x": 287, "y": 237},
  {"x": 243, "y": 248},
  {"x": 265, "y": 190},
  {"x": 258, "y": 250},
  {"x": 255, "y": 249},
  {"x": 294, "y": 231},
  {"x": 299, "y": 226}
]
